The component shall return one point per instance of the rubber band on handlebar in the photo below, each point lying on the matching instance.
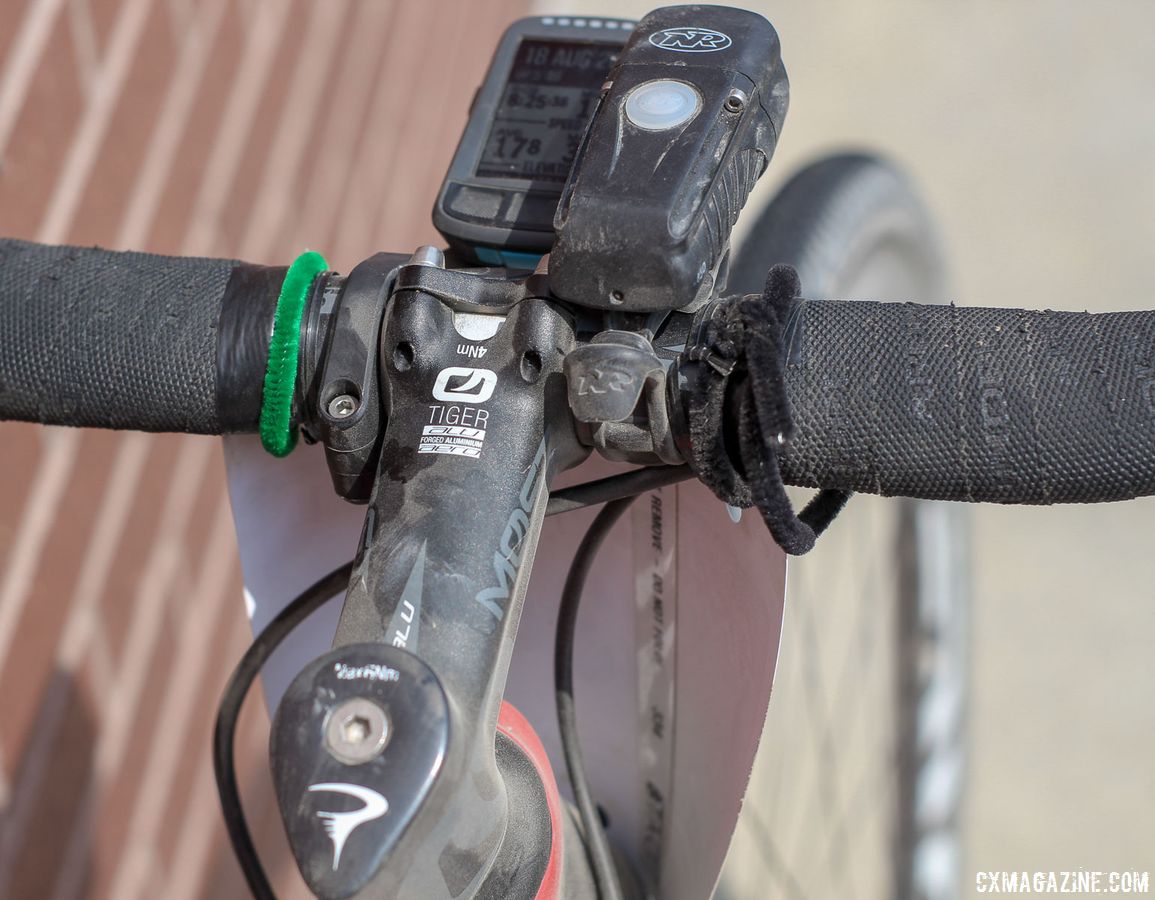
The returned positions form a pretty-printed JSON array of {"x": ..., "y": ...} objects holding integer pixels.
[{"x": 278, "y": 436}]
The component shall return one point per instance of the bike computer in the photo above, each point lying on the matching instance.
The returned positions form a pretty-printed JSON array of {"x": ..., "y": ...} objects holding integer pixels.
[{"x": 497, "y": 202}]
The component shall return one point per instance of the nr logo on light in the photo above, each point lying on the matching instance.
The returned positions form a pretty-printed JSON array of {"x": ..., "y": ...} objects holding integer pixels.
[{"x": 690, "y": 40}]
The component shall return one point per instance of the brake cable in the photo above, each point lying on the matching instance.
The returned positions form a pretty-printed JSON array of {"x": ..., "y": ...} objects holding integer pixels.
[{"x": 229, "y": 710}]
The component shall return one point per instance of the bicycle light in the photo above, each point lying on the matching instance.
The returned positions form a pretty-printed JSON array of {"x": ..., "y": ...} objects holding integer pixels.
[{"x": 687, "y": 123}]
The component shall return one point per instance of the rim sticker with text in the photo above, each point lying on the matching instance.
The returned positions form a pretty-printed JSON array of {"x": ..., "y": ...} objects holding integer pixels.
[{"x": 656, "y": 612}]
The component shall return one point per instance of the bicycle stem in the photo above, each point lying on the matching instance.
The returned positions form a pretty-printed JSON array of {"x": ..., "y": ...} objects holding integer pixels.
[{"x": 428, "y": 624}]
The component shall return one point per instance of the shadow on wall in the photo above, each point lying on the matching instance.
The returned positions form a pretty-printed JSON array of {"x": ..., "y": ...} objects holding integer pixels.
[
  {"x": 54, "y": 827},
  {"x": 35, "y": 860}
]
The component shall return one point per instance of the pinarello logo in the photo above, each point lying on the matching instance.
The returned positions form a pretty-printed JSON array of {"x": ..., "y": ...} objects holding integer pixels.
[
  {"x": 339, "y": 825},
  {"x": 690, "y": 40}
]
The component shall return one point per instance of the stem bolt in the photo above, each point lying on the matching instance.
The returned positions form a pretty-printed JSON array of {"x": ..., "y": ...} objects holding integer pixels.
[
  {"x": 343, "y": 406},
  {"x": 428, "y": 256},
  {"x": 356, "y": 731}
]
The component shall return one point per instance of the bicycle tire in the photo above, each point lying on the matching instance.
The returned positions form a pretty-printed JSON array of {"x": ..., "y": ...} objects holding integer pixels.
[{"x": 852, "y": 225}]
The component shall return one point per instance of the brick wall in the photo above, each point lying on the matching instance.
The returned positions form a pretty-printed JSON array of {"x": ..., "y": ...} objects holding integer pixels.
[{"x": 216, "y": 127}]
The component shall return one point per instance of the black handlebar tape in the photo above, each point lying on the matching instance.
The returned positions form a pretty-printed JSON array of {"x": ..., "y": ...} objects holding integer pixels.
[
  {"x": 97, "y": 338},
  {"x": 984, "y": 405}
]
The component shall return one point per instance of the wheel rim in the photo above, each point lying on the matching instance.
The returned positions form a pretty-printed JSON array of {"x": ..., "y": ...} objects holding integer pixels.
[{"x": 857, "y": 784}]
